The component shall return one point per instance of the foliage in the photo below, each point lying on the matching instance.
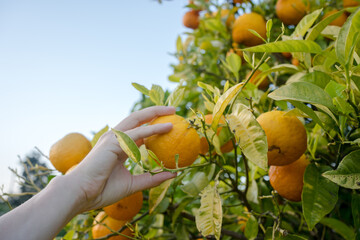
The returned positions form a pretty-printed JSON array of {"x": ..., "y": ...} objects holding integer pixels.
[{"x": 211, "y": 196}]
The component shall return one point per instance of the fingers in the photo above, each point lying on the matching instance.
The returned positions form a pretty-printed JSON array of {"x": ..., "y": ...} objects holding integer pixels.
[
  {"x": 143, "y": 116},
  {"x": 146, "y": 180},
  {"x": 147, "y": 131}
]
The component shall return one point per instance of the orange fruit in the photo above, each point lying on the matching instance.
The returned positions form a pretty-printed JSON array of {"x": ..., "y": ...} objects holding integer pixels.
[
  {"x": 99, "y": 230},
  {"x": 242, "y": 222},
  {"x": 204, "y": 146},
  {"x": 182, "y": 140},
  {"x": 68, "y": 151},
  {"x": 227, "y": 16},
  {"x": 291, "y": 12},
  {"x": 245, "y": 22},
  {"x": 288, "y": 180},
  {"x": 338, "y": 21},
  {"x": 350, "y": 3},
  {"x": 295, "y": 61},
  {"x": 255, "y": 80},
  {"x": 191, "y": 19},
  {"x": 286, "y": 137},
  {"x": 286, "y": 54},
  {"x": 126, "y": 208}
]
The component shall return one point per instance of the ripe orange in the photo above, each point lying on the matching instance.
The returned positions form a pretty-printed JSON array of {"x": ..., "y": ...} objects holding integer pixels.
[
  {"x": 182, "y": 140},
  {"x": 286, "y": 54},
  {"x": 286, "y": 137},
  {"x": 68, "y": 151},
  {"x": 242, "y": 222},
  {"x": 99, "y": 230},
  {"x": 227, "y": 16},
  {"x": 338, "y": 21},
  {"x": 245, "y": 22},
  {"x": 191, "y": 19},
  {"x": 288, "y": 180},
  {"x": 255, "y": 80},
  {"x": 295, "y": 61},
  {"x": 350, "y": 3},
  {"x": 291, "y": 12},
  {"x": 126, "y": 208},
  {"x": 204, "y": 146}
]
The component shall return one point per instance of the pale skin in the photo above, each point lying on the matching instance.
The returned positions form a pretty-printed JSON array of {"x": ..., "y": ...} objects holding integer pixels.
[{"x": 99, "y": 180}]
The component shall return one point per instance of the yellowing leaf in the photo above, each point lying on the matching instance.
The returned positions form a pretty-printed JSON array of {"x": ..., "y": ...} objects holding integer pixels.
[
  {"x": 157, "y": 194},
  {"x": 128, "y": 146},
  {"x": 98, "y": 135},
  {"x": 223, "y": 101},
  {"x": 209, "y": 216},
  {"x": 249, "y": 134}
]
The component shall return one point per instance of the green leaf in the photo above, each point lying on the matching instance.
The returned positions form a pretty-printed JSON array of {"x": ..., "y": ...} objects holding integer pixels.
[
  {"x": 141, "y": 88},
  {"x": 128, "y": 146},
  {"x": 223, "y": 101},
  {"x": 319, "y": 196},
  {"x": 341, "y": 228},
  {"x": 98, "y": 135},
  {"x": 348, "y": 37},
  {"x": 318, "y": 78},
  {"x": 287, "y": 46},
  {"x": 347, "y": 174},
  {"x": 335, "y": 89},
  {"x": 199, "y": 181},
  {"x": 234, "y": 62},
  {"x": 157, "y": 94},
  {"x": 249, "y": 135},
  {"x": 303, "y": 92},
  {"x": 269, "y": 25},
  {"x": 308, "y": 111},
  {"x": 157, "y": 194},
  {"x": 69, "y": 235},
  {"x": 176, "y": 97},
  {"x": 252, "y": 228},
  {"x": 179, "y": 46},
  {"x": 209, "y": 216},
  {"x": 317, "y": 29},
  {"x": 306, "y": 22}
]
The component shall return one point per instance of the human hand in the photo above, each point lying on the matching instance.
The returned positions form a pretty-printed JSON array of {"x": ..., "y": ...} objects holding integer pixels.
[{"x": 102, "y": 178}]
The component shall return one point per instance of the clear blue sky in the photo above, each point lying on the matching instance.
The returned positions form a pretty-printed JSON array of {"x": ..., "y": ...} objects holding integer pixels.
[{"x": 67, "y": 66}]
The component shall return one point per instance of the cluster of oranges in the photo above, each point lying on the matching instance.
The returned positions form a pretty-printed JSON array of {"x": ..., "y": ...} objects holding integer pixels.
[
  {"x": 287, "y": 143},
  {"x": 66, "y": 154}
]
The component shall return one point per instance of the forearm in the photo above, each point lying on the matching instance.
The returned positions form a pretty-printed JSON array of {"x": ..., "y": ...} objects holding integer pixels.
[{"x": 45, "y": 214}]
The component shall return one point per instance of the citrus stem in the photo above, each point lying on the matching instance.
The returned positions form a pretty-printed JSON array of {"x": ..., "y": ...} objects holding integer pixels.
[{"x": 262, "y": 61}]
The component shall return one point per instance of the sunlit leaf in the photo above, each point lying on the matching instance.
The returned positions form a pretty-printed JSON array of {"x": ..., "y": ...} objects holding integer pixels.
[
  {"x": 176, "y": 97},
  {"x": 303, "y": 92},
  {"x": 319, "y": 196},
  {"x": 306, "y": 22},
  {"x": 98, "y": 135},
  {"x": 348, "y": 36},
  {"x": 209, "y": 216},
  {"x": 157, "y": 94},
  {"x": 347, "y": 174},
  {"x": 128, "y": 146},
  {"x": 157, "y": 194},
  {"x": 221, "y": 104},
  {"x": 319, "y": 27},
  {"x": 287, "y": 46},
  {"x": 141, "y": 88},
  {"x": 249, "y": 135}
]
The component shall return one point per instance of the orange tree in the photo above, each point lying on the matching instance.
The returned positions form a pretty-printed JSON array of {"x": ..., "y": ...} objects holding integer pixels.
[{"x": 229, "y": 195}]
